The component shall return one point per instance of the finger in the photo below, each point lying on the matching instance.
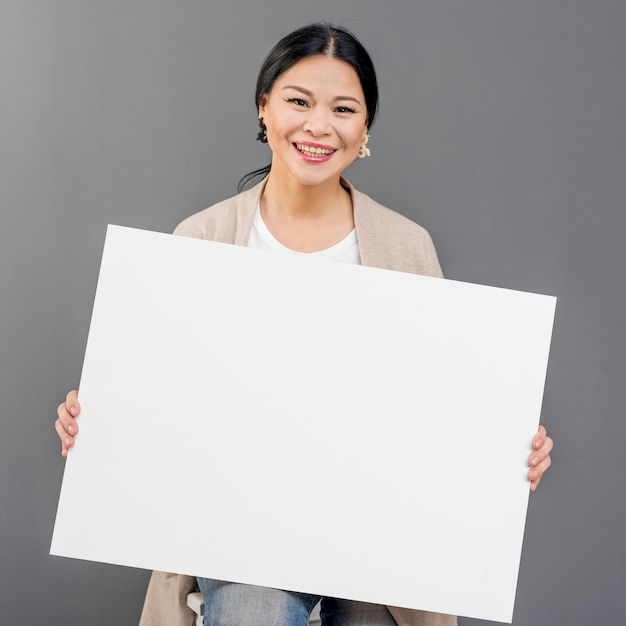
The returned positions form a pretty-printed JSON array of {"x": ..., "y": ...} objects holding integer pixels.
[
  {"x": 540, "y": 437},
  {"x": 538, "y": 455},
  {"x": 536, "y": 473},
  {"x": 72, "y": 403},
  {"x": 67, "y": 441},
  {"x": 66, "y": 425},
  {"x": 69, "y": 424},
  {"x": 69, "y": 410}
]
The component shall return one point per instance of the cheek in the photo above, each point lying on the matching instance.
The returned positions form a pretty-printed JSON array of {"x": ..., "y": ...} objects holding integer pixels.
[
  {"x": 357, "y": 138},
  {"x": 281, "y": 125},
  {"x": 278, "y": 137}
]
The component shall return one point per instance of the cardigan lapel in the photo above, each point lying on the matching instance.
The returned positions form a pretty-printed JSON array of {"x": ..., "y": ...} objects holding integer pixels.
[
  {"x": 247, "y": 204},
  {"x": 371, "y": 249}
]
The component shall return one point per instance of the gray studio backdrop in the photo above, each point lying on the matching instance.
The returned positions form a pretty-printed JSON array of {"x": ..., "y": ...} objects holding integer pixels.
[{"x": 502, "y": 131}]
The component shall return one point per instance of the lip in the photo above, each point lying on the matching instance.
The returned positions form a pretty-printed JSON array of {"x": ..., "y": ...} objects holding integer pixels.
[
  {"x": 310, "y": 144},
  {"x": 320, "y": 158}
]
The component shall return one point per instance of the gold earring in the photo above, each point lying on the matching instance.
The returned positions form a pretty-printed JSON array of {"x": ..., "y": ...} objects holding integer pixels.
[{"x": 363, "y": 150}]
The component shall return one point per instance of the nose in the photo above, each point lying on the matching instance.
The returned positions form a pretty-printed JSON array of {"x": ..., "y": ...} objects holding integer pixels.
[{"x": 317, "y": 122}]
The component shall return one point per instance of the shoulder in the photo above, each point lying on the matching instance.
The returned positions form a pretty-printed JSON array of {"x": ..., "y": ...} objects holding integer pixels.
[
  {"x": 390, "y": 240},
  {"x": 388, "y": 221},
  {"x": 228, "y": 221},
  {"x": 205, "y": 224}
]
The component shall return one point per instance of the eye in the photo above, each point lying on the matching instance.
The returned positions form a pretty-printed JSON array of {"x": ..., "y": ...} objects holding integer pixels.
[
  {"x": 344, "y": 109},
  {"x": 298, "y": 102}
]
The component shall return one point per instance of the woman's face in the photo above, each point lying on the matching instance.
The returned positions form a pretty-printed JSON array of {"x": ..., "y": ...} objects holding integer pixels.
[{"x": 316, "y": 119}]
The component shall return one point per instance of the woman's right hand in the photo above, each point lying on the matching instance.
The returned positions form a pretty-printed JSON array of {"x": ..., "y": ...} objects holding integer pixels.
[{"x": 66, "y": 425}]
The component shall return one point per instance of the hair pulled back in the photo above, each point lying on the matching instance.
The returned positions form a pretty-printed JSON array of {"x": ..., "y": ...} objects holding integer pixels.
[{"x": 315, "y": 39}]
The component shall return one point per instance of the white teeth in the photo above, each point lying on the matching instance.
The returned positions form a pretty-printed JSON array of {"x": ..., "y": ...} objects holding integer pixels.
[{"x": 311, "y": 151}]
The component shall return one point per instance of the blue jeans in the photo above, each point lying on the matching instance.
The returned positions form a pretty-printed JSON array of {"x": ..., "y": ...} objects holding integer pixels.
[{"x": 234, "y": 604}]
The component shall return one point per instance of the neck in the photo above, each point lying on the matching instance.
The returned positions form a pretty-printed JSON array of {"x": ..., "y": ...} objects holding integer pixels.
[
  {"x": 292, "y": 200},
  {"x": 306, "y": 218}
]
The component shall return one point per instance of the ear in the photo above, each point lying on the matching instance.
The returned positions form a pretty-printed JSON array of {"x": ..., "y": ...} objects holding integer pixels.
[{"x": 262, "y": 103}]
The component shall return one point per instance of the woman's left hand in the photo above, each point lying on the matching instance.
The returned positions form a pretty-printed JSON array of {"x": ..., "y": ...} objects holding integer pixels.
[{"x": 539, "y": 460}]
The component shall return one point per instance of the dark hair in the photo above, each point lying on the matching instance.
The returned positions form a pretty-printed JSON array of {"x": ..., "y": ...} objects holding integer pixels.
[{"x": 321, "y": 38}]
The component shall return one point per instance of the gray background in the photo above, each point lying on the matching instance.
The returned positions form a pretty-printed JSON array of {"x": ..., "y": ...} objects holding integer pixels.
[{"x": 503, "y": 131}]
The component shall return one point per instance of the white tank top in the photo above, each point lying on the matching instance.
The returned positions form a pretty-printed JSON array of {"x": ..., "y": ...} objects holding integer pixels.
[{"x": 345, "y": 251}]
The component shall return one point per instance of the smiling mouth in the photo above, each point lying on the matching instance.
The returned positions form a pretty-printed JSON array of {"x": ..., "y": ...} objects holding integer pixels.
[{"x": 312, "y": 151}]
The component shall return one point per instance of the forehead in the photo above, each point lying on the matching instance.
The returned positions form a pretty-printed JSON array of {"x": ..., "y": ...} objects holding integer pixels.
[{"x": 322, "y": 73}]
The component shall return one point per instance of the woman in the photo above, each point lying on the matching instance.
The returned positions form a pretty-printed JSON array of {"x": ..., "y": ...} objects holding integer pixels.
[{"x": 317, "y": 98}]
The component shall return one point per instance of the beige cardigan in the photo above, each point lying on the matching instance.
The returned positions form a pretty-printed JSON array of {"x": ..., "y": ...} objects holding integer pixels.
[{"x": 386, "y": 240}]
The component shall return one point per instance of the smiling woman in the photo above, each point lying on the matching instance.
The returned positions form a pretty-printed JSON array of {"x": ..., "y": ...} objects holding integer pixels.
[
  {"x": 317, "y": 98},
  {"x": 316, "y": 121},
  {"x": 325, "y": 40},
  {"x": 315, "y": 114}
]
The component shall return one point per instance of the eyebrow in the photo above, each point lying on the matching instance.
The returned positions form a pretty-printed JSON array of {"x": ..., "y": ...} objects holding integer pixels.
[{"x": 310, "y": 94}]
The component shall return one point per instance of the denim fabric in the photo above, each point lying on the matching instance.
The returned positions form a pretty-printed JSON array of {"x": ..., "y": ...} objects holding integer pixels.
[
  {"x": 233, "y": 604},
  {"x": 337, "y": 612}
]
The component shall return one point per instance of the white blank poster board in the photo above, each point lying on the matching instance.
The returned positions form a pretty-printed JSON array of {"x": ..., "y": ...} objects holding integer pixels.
[{"x": 305, "y": 425}]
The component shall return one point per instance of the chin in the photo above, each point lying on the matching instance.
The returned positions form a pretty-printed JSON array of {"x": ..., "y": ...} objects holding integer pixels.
[{"x": 314, "y": 174}]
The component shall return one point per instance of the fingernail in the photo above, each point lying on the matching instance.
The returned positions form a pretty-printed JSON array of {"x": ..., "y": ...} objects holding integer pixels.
[
  {"x": 538, "y": 443},
  {"x": 73, "y": 410},
  {"x": 535, "y": 460},
  {"x": 67, "y": 441},
  {"x": 70, "y": 430}
]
